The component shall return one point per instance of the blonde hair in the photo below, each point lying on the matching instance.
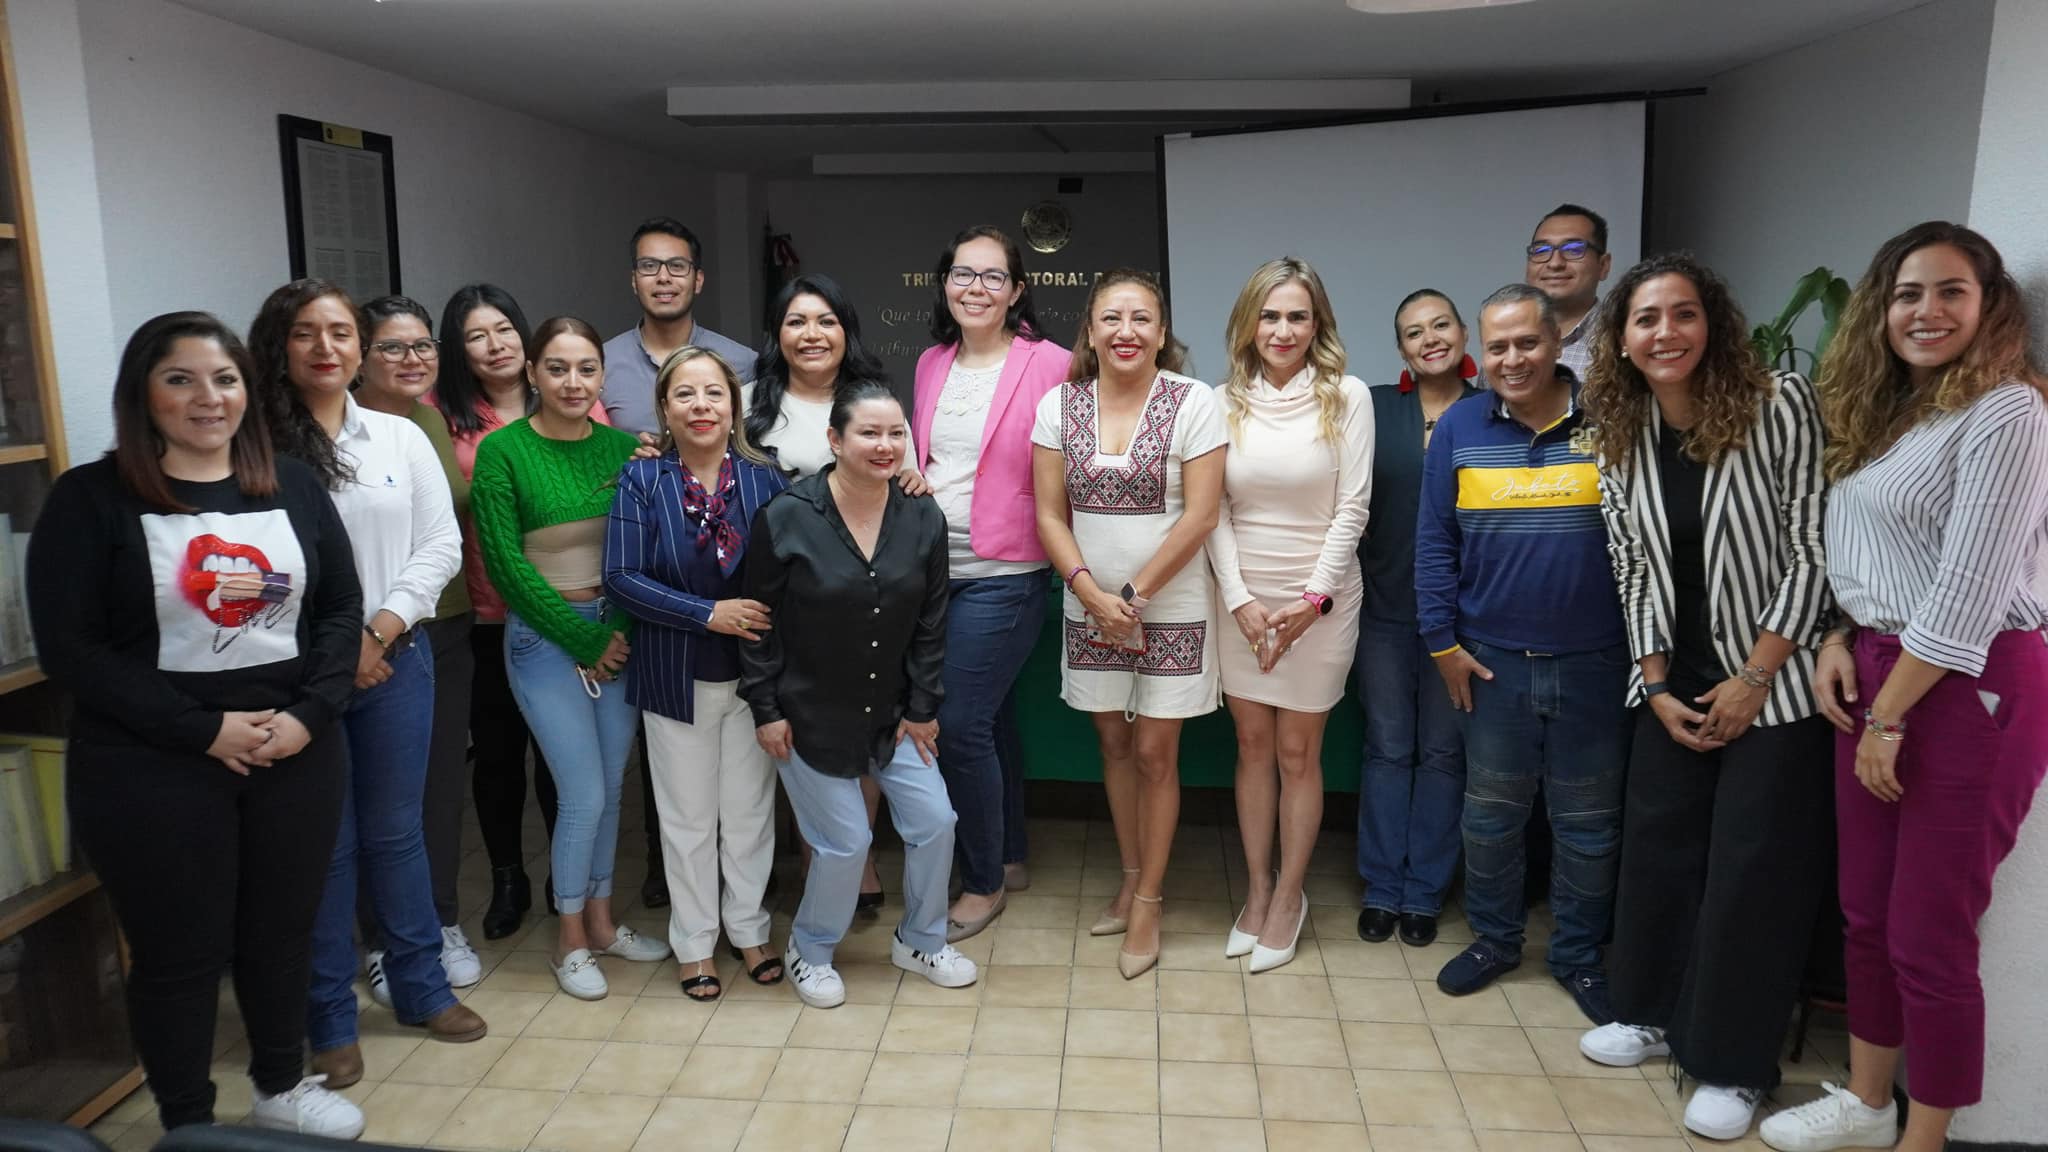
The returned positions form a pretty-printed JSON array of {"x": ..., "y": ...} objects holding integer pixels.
[
  {"x": 1173, "y": 354},
  {"x": 1325, "y": 352},
  {"x": 738, "y": 433},
  {"x": 1867, "y": 398}
]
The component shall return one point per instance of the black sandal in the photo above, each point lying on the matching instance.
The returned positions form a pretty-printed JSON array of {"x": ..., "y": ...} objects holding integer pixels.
[
  {"x": 691, "y": 984},
  {"x": 755, "y": 973}
]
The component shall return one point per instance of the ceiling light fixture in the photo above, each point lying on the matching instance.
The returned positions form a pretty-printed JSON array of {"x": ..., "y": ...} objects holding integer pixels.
[{"x": 1405, "y": 7}]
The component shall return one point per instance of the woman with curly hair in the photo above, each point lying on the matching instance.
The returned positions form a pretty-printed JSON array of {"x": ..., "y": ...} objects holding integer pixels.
[
  {"x": 1937, "y": 426},
  {"x": 1711, "y": 489}
]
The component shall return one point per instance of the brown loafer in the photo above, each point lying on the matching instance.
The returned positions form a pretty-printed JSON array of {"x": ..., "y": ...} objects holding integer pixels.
[
  {"x": 342, "y": 1066},
  {"x": 456, "y": 1024}
]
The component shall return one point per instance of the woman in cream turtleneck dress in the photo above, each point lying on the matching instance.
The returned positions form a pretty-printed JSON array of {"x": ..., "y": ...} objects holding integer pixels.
[{"x": 1296, "y": 484}]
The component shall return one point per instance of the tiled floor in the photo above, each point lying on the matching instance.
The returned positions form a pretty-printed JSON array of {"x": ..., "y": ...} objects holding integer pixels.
[{"x": 1350, "y": 1047}]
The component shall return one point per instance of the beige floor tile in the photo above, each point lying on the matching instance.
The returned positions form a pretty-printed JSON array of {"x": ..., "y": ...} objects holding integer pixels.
[
  {"x": 780, "y": 1126},
  {"x": 593, "y": 1123},
  {"x": 1222, "y": 992},
  {"x": 923, "y": 1029},
  {"x": 1613, "y": 1107},
  {"x": 1410, "y": 1099},
  {"x": 1001, "y": 1130},
  {"x": 996, "y": 1081},
  {"x": 1485, "y": 1048},
  {"x": 627, "y": 977},
  {"x": 914, "y": 1079},
  {"x": 1095, "y": 951},
  {"x": 1484, "y": 1007},
  {"x": 1425, "y": 963},
  {"x": 1276, "y": 994},
  {"x": 500, "y": 1119},
  {"x": 1394, "y": 1047},
  {"x": 1020, "y": 1031},
  {"x": 1557, "y": 1049},
  {"x": 1105, "y": 1132},
  {"x": 1304, "y": 1136},
  {"x": 725, "y": 1073},
  {"x": 1396, "y": 1138},
  {"x": 1382, "y": 1001},
  {"x": 1042, "y": 910},
  {"x": 633, "y": 1069},
  {"x": 1543, "y": 1004},
  {"x": 461, "y": 1065},
  {"x": 1107, "y": 988},
  {"x": 868, "y": 983},
  {"x": 1194, "y": 951},
  {"x": 1297, "y": 1040},
  {"x": 1212, "y": 1134},
  {"x": 408, "y": 1113},
  {"x": 1519, "y": 1103},
  {"x": 854, "y": 1027},
  {"x": 1198, "y": 1089},
  {"x": 751, "y": 1024},
  {"x": 380, "y": 1054},
  {"x": 1127, "y": 1035},
  {"x": 1358, "y": 959},
  {"x": 1092, "y": 1084},
  {"x": 1320, "y": 1095},
  {"x": 521, "y": 971},
  {"x": 819, "y": 1076},
  {"x": 1638, "y": 1144},
  {"x": 920, "y": 992},
  {"x": 1206, "y": 1037},
  {"x": 1493, "y": 1140},
  {"x": 542, "y": 1065},
  {"x": 567, "y": 1018},
  {"x": 1026, "y": 986},
  {"x": 879, "y": 1129},
  {"x": 680, "y": 1125},
  {"x": 1211, "y": 918},
  {"x": 659, "y": 1021},
  {"x": 1031, "y": 945}
]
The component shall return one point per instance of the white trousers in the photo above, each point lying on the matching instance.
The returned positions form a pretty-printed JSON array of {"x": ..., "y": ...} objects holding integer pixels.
[{"x": 715, "y": 790}]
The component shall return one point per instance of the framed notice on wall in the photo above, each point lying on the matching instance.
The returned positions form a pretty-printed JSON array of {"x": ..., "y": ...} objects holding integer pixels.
[{"x": 340, "y": 205}]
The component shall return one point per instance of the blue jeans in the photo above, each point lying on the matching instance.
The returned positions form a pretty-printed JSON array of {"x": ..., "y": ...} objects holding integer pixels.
[
  {"x": 834, "y": 822},
  {"x": 1413, "y": 784},
  {"x": 386, "y": 729},
  {"x": 586, "y": 743},
  {"x": 991, "y": 625},
  {"x": 1559, "y": 720}
]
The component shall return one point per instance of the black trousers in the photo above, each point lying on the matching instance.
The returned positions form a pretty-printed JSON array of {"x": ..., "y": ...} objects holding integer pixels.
[
  {"x": 210, "y": 872},
  {"x": 1725, "y": 858},
  {"x": 447, "y": 759},
  {"x": 501, "y": 742}
]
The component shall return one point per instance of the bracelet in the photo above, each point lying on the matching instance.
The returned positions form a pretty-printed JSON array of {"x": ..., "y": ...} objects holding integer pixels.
[
  {"x": 1840, "y": 643},
  {"x": 1894, "y": 730},
  {"x": 377, "y": 636},
  {"x": 1654, "y": 688},
  {"x": 1078, "y": 569},
  {"x": 1756, "y": 675}
]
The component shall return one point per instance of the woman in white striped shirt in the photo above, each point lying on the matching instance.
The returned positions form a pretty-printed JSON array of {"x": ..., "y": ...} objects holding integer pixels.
[
  {"x": 1938, "y": 427},
  {"x": 1712, "y": 490}
]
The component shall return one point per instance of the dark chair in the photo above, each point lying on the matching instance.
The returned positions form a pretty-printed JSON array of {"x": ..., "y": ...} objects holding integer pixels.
[{"x": 45, "y": 1136}]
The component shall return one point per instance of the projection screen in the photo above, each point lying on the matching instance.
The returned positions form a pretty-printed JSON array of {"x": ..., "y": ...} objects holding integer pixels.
[{"x": 1380, "y": 209}]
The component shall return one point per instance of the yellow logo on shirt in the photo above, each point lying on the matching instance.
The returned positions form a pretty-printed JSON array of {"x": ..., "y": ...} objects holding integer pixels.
[{"x": 1557, "y": 486}]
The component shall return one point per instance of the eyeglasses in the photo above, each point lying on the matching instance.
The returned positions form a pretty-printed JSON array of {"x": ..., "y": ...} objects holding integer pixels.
[
  {"x": 393, "y": 351},
  {"x": 678, "y": 267},
  {"x": 1572, "y": 249},
  {"x": 993, "y": 279}
]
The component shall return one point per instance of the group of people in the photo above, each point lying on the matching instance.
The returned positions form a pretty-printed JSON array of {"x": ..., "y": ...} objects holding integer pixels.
[{"x": 1614, "y": 569}]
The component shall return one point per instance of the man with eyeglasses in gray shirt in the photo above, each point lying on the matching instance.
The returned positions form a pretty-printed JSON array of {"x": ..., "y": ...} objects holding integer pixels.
[
  {"x": 667, "y": 276},
  {"x": 1568, "y": 261}
]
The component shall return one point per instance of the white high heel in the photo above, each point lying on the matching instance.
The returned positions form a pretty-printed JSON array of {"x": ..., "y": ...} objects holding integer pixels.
[
  {"x": 1266, "y": 959},
  {"x": 1241, "y": 943}
]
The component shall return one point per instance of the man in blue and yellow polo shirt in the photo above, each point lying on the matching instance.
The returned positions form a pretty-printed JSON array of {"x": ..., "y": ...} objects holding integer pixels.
[{"x": 1515, "y": 598}]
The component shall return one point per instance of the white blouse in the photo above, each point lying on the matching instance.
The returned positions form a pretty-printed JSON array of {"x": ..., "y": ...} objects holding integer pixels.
[{"x": 399, "y": 513}]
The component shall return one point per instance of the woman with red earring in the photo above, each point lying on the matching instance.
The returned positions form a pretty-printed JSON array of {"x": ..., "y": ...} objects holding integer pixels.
[{"x": 1411, "y": 790}]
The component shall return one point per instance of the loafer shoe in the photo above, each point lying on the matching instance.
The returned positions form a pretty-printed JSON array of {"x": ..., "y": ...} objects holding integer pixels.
[
  {"x": 630, "y": 945},
  {"x": 579, "y": 976},
  {"x": 1417, "y": 930},
  {"x": 1474, "y": 968},
  {"x": 1375, "y": 925},
  {"x": 1588, "y": 987}
]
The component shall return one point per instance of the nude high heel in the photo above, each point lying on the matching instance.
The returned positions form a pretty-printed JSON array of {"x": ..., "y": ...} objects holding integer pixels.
[
  {"x": 1109, "y": 923},
  {"x": 1135, "y": 964}
]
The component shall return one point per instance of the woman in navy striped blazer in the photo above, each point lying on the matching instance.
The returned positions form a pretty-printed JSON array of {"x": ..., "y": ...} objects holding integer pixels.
[
  {"x": 674, "y": 556},
  {"x": 1711, "y": 487}
]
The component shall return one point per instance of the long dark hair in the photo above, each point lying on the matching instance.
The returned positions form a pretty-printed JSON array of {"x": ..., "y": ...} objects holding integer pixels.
[
  {"x": 293, "y": 430},
  {"x": 1022, "y": 317},
  {"x": 456, "y": 391},
  {"x": 771, "y": 374},
  {"x": 139, "y": 447},
  {"x": 1172, "y": 355}
]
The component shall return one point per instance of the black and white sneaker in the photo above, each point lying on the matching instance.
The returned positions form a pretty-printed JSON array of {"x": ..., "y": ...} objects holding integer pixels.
[
  {"x": 947, "y": 967},
  {"x": 818, "y": 985}
]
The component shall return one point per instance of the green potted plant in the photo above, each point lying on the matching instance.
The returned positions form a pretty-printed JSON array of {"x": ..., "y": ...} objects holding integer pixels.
[{"x": 1773, "y": 342}]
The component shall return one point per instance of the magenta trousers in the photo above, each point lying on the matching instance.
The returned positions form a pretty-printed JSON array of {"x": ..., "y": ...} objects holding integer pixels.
[{"x": 1975, "y": 750}]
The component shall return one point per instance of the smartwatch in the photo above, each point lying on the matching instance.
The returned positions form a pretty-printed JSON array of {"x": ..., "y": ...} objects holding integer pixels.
[
  {"x": 1323, "y": 603},
  {"x": 1131, "y": 597},
  {"x": 1654, "y": 688}
]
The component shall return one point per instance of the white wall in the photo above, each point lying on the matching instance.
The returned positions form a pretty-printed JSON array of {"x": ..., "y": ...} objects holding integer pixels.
[
  {"x": 2009, "y": 203},
  {"x": 1816, "y": 155},
  {"x": 190, "y": 202}
]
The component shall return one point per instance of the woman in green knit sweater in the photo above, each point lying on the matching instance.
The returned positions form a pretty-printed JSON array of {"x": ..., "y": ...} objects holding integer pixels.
[{"x": 540, "y": 496}]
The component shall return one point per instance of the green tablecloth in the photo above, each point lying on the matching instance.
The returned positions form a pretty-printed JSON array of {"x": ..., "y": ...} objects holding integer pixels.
[{"x": 1059, "y": 743}]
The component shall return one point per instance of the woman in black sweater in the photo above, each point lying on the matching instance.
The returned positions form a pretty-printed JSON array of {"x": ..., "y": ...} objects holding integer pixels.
[{"x": 197, "y": 597}]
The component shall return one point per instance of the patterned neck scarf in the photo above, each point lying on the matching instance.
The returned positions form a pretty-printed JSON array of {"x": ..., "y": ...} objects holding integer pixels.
[{"x": 713, "y": 514}]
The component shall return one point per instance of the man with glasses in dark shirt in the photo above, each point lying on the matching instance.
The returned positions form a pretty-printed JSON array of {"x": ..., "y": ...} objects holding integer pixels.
[{"x": 1568, "y": 261}]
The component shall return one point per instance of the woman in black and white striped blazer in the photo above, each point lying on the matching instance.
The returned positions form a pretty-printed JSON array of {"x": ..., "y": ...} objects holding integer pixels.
[{"x": 1712, "y": 490}]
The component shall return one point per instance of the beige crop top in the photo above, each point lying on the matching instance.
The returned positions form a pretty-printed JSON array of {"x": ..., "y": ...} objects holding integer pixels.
[{"x": 569, "y": 556}]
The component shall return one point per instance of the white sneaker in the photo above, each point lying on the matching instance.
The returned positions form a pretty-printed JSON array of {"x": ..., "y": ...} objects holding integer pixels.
[
  {"x": 947, "y": 967},
  {"x": 311, "y": 1109},
  {"x": 818, "y": 985},
  {"x": 579, "y": 976},
  {"x": 1836, "y": 1120},
  {"x": 630, "y": 945},
  {"x": 1621, "y": 1045},
  {"x": 1722, "y": 1113},
  {"x": 380, "y": 985},
  {"x": 458, "y": 959}
]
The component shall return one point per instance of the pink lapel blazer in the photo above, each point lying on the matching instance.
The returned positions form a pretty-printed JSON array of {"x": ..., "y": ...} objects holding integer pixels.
[{"x": 1003, "y": 518}]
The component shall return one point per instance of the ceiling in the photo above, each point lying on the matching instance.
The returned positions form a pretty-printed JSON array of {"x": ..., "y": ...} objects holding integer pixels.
[{"x": 605, "y": 65}]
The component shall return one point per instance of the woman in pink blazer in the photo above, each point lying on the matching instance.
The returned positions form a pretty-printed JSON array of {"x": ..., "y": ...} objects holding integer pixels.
[{"x": 976, "y": 394}]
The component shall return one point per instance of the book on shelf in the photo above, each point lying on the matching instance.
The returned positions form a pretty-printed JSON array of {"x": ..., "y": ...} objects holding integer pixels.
[
  {"x": 21, "y": 819},
  {"x": 15, "y": 642},
  {"x": 28, "y": 633}
]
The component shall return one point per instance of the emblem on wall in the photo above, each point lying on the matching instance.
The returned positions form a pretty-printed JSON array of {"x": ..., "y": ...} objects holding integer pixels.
[{"x": 1047, "y": 227}]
